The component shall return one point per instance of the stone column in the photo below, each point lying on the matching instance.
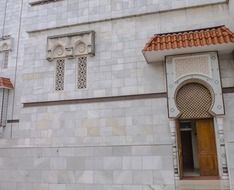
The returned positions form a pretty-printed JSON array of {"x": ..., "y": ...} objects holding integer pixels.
[
  {"x": 172, "y": 125},
  {"x": 221, "y": 143}
]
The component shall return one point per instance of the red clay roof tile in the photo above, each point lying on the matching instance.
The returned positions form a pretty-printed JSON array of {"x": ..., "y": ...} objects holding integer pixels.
[
  {"x": 200, "y": 37},
  {"x": 5, "y": 83}
]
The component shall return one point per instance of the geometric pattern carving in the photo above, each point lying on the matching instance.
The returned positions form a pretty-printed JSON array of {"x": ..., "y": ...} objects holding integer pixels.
[
  {"x": 71, "y": 45},
  {"x": 4, "y": 94},
  {"x": 192, "y": 65},
  {"x": 194, "y": 101},
  {"x": 5, "y": 47},
  {"x": 82, "y": 73},
  {"x": 202, "y": 68},
  {"x": 6, "y": 44},
  {"x": 59, "y": 77},
  {"x": 5, "y": 59},
  {"x": 58, "y": 50}
]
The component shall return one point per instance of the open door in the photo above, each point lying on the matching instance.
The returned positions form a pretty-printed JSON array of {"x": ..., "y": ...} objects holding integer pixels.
[
  {"x": 179, "y": 145},
  {"x": 206, "y": 147}
]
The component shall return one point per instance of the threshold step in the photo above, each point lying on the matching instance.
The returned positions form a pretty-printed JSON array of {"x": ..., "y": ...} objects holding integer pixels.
[{"x": 202, "y": 185}]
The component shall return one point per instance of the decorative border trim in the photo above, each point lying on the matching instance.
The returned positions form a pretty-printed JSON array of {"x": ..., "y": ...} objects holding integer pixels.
[
  {"x": 228, "y": 90},
  {"x": 41, "y": 2},
  {"x": 96, "y": 100},
  {"x": 71, "y": 34},
  {"x": 13, "y": 121},
  {"x": 105, "y": 99}
]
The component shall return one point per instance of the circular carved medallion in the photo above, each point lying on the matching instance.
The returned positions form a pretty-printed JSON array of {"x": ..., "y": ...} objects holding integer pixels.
[
  {"x": 81, "y": 47},
  {"x": 4, "y": 47},
  {"x": 58, "y": 51}
]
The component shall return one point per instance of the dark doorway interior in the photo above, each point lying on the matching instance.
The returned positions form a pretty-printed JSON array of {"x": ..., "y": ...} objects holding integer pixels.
[
  {"x": 189, "y": 148},
  {"x": 186, "y": 140}
]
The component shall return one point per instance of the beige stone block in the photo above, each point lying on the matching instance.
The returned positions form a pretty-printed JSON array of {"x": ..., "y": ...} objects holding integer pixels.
[
  {"x": 45, "y": 124},
  {"x": 31, "y": 76},
  {"x": 93, "y": 131},
  {"x": 117, "y": 130}
]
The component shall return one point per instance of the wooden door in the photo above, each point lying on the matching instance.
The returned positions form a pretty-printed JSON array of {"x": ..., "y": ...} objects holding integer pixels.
[
  {"x": 179, "y": 147},
  {"x": 207, "y": 155}
]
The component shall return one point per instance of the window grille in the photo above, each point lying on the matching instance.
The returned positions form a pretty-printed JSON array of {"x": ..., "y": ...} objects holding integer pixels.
[
  {"x": 4, "y": 94},
  {"x": 82, "y": 73},
  {"x": 59, "y": 77},
  {"x": 5, "y": 59},
  {"x": 194, "y": 101}
]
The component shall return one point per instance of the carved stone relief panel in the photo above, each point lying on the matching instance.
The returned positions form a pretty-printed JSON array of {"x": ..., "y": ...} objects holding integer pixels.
[
  {"x": 200, "y": 68},
  {"x": 192, "y": 65},
  {"x": 6, "y": 44},
  {"x": 71, "y": 45}
]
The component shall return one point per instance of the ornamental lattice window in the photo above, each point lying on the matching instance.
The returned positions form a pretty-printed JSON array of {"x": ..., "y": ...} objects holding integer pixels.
[
  {"x": 82, "y": 73},
  {"x": 59, "y": 75},
  {"x": 4, "y": 59},
  {"x": 194, "y": 101},
  {"x": 5, "y": 87},
  {"x": 4, "y": 94}
]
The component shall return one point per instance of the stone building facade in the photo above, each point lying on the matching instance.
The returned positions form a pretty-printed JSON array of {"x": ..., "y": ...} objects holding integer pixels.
[{"x": 88, "y": 101}]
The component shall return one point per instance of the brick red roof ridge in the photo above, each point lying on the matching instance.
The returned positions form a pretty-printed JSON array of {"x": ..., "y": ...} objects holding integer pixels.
[
  {"x": 5, "y": 83},
  {"x": 190, "y": 38},
  {"x": 190, "y": 30}
]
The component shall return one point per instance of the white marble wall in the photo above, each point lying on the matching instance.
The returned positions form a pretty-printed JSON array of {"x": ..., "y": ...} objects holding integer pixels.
[
  {"x": 117, "y": 145},
  {"x": 54, "y": 15},
  {"x": 122, "y": 145},
  {"x": 113, "y": 167}
]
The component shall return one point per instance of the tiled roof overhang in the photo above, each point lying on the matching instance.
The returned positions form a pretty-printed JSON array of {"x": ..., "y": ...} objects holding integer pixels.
[
  {"x": 5, "y": 83},
  {"x": 218, "y": 38}
]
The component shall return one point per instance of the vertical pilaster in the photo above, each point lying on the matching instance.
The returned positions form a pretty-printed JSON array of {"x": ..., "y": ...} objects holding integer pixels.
[
  {"x": 172, "y": 126},
  {"x": 221, "y": 144}
]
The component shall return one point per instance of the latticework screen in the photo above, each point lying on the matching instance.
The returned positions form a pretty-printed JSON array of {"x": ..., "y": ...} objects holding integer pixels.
[
  {"x": 82, "y": 73},
  {"x": 4, "y": 93},
  {"x": 59, "y": 77},
  {"x": 194, "y": 101}
]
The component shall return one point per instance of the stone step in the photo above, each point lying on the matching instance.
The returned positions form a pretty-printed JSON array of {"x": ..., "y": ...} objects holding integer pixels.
[{"x": 202, "y": 185}]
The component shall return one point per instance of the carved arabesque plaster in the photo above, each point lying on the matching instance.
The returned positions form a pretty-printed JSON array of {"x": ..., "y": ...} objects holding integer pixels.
[
  {"x": 202, "y": 68},
  {"x": 6, "y": 44},
  {"x": 71, "y": 45}
]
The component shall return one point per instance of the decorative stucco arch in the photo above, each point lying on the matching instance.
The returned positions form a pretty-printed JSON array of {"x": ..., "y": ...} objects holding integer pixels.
[{"x": 202, "y": 68}]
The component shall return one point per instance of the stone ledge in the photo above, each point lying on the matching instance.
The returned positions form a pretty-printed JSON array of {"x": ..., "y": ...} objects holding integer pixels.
[
  {"x": 95, "y": 100},
  {"x": 39, "y": 2}
]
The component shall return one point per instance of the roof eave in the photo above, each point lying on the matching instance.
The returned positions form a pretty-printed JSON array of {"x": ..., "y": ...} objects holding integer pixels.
[{"x": 158, "y": 56}]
